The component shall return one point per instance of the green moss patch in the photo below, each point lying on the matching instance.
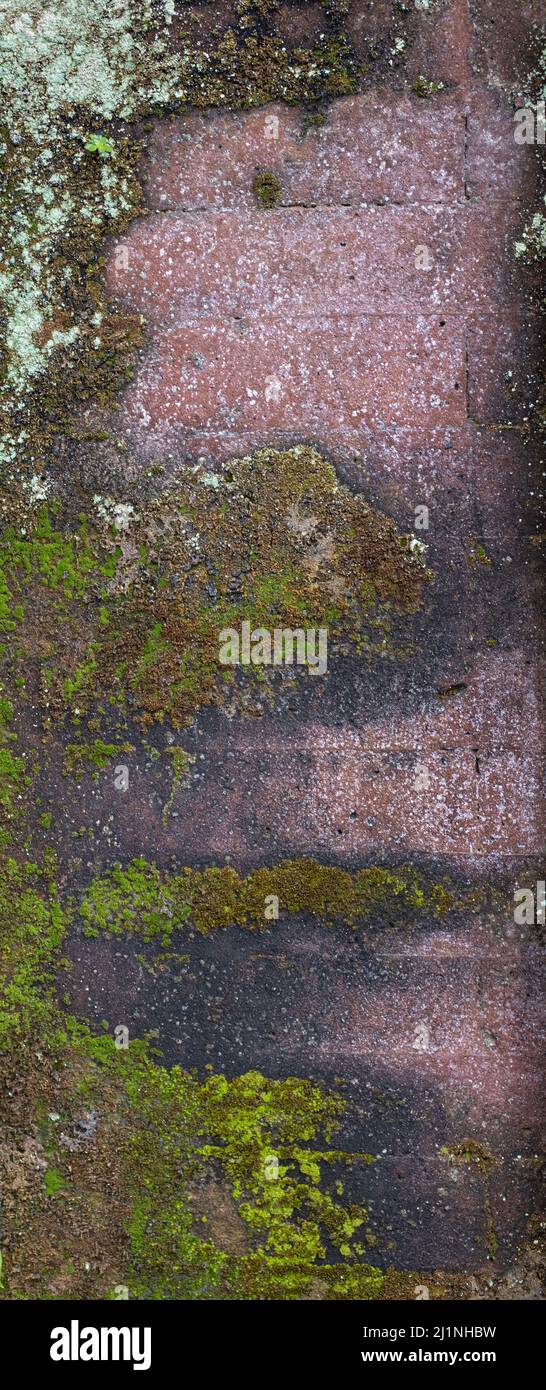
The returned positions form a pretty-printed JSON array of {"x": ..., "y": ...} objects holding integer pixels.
[
  {"x": 32, "y": 926},
  {"x": 247, "y": 1137},
  {"x": 273, "y": 540},
  {"x": 139, "y": 898},
  {"x": 80, "y": 757},
  {"x": 267, "y": 188}
]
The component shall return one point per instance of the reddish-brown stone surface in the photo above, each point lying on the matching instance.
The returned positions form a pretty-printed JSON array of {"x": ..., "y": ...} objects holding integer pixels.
[
  {"x": 313, "y": 321},
  {"x": 310, "y": 262},
  {"x": 273, "y": 319},
  {"x": 368, "y": 151},
  {"x": 224, "y": 376}
]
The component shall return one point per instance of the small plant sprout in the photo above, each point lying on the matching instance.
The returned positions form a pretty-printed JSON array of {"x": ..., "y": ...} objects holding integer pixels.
[{"x": 98, "y": 144}]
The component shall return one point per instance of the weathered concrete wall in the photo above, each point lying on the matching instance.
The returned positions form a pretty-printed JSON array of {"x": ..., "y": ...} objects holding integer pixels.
[{"x": 378, "y": 313}]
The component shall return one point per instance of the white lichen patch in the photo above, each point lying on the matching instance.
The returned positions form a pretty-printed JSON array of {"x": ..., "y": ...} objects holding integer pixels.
[
  {"x": 210, "y": 480},
  {"x": 117, "y": 514},
  {"x": 64, "y": 69},
  {"x": 37, "y": 488},
  {"x": 417, "y": 547},
  {"x": 102, "y": 56}
]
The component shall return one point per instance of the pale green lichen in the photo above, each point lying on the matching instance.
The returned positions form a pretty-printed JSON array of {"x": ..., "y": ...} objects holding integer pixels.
[
  {"x": 97, "y": 56},
  {"x": 86, "y": 61}
]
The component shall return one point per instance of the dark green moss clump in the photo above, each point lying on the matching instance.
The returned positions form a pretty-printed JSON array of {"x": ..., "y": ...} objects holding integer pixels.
[
  {"x": 273, "y": 540},
  {"x": 267, "y": 188}
]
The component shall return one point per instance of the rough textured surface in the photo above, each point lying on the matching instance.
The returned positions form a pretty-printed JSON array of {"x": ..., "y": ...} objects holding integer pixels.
[{"x": 331, "y": 279}]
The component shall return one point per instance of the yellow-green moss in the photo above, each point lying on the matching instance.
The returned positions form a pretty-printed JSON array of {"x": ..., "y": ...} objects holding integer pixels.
[
  {"x": 255, "y": 1140},
  {"x": 74, "y": 618},
  {"x": 96, "y": 755},
  {"x": 138, "y": 898},
  {"x": 181, "y": 762},
  {"x": 32, "y": 926},
  {"x": 477, "y": 554},
  {"x": 181, "y": 1144}
]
